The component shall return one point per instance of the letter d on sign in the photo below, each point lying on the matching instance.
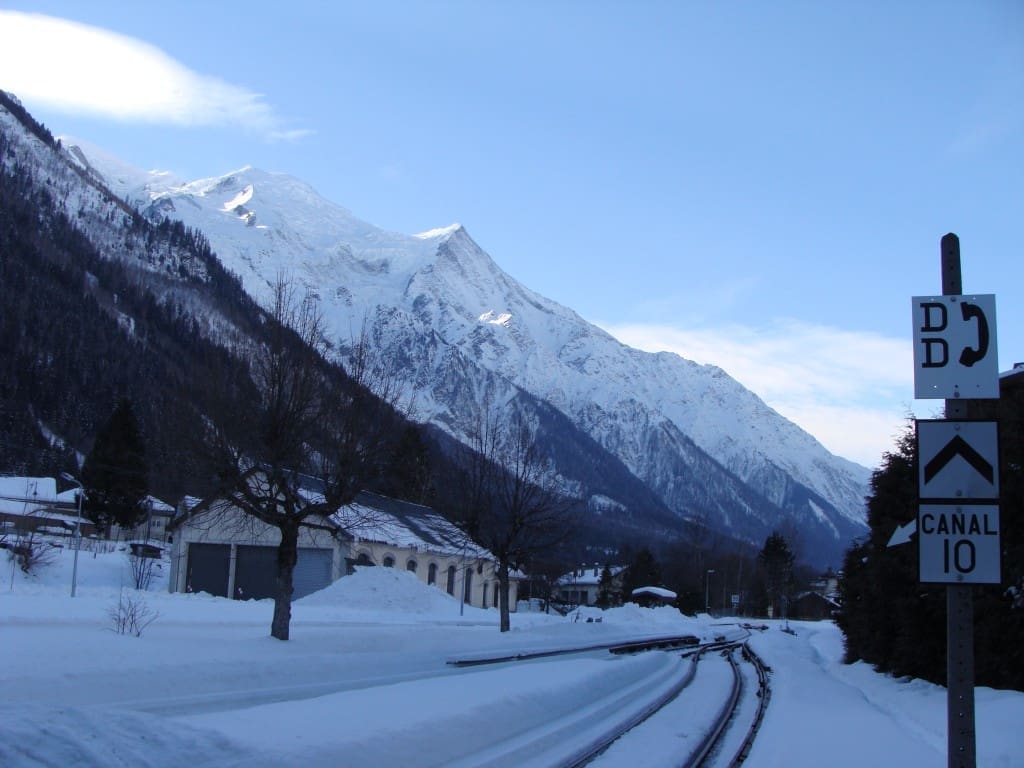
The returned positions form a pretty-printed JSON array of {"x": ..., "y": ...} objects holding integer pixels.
[
  {"x": 929, "y": 360},
  {"x": 938, "y": 309}
]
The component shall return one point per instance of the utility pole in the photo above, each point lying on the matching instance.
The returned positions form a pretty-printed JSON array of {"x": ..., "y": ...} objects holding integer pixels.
[
  {"x": 707, "y": 591},
  {"x": 957, "y": 466},
  {"x": 78, "y": 528},
  {"x": 960, "y": 733}
]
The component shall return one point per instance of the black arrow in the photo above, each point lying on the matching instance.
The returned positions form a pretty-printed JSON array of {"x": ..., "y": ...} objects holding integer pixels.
[{"x": 958, "y": 446}]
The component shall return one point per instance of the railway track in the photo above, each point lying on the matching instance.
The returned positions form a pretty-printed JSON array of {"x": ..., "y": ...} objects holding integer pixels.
[
  {"x": 725, "y": 737},
  {"x": 740, "y": 723},
  {"x": 708, "y": 750}
]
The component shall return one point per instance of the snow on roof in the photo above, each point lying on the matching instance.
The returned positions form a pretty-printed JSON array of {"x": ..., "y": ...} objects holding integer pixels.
[
  {"x": 158, "y": 506},
  {"x": 22, "y": 495},
  {"x": 668, "y": 594},
  {"x": 375, "y": 518}
]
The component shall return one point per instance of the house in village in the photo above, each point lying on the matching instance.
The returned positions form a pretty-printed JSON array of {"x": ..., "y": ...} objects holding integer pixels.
[
  {"x": 652, "y": 597},
  {"x": 220, "y": 550},
  {"x": 582, "y": 585},
  {"x": 812, "y": 606},
  {"x": 31, "y": 505},
  {"x": 153, "y": 527}
]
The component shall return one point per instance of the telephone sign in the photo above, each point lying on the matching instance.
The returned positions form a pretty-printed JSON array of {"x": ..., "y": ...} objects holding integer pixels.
[{"x": 955, "y": 347}]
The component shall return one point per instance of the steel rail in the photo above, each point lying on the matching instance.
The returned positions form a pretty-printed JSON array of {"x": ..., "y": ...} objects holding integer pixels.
[
  {"x": 668, "y": 642},
  {"x": 702, "y": 755},
  {"x": 725, "y": 714},
  {"x": 591, "y": 751},
  {"x": 764, "y": 693}
]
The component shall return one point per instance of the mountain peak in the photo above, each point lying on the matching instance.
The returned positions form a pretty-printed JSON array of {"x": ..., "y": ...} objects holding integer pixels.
[
  {"x": 469, "y": 334},
  {"x": 440, "y": 232}
]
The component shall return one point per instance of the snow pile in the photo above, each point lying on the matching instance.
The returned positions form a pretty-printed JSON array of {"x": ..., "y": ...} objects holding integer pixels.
[
  {"x": 388, "y": 590},
  {"x": 662, "y": 617}
]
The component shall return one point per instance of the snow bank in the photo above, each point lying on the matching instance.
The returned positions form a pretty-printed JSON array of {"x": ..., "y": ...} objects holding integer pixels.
[{"x": 377, "y": 589}]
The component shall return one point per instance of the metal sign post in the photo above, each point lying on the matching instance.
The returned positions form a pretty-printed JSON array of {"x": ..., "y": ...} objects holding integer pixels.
[{"x": 958, "y": 476}]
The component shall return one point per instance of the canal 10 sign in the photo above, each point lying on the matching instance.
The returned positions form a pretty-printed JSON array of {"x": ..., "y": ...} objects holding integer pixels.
[
  {"x": 959, "y": 544},
  {"x": 958, "y": 485}
]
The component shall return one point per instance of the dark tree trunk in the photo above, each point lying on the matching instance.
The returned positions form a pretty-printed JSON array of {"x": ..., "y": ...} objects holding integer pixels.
[
  {"x": 287, "y": 555},
  {"x": 503, "y": 595}
]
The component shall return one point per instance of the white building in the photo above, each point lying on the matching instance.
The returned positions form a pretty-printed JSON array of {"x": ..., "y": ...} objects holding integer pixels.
[
  {"x": 220, "y": 550},
  {"x": 582, "y": 585}
]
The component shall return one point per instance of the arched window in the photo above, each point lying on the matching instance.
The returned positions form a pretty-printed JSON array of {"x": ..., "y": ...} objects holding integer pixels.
[
  {"x": 451, "y": 580},
  {"x": 363, "y": 559},
  {"x": 389, "y": 561},
  {"x": 411, "y": 565},
  {"x": 432, "y": 573},
  {"x": 467, "y": 587}
]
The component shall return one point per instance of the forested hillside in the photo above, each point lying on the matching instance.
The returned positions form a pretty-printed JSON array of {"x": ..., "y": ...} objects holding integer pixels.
[{"x": 81, "y": 330}]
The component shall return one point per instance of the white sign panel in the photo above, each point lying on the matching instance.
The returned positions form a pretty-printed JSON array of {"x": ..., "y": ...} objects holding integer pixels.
[
  {"x": 959, "y": 544},
  {"x": 955, "y": 347},
  {"x": 957, "y": 460}
]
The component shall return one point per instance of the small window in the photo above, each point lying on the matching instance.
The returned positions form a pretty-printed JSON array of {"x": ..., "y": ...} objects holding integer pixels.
[
  {"x": 389, "y": 561},
  {"x": 432, "y": 573},
  {"x": 411, "y": 566},
  {"x": 451, "y": 580}
]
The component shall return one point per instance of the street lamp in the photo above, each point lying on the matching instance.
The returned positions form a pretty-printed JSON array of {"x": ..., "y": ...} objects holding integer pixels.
[
  {"x": 707, "y": 591},
  {"x": 78, "y": 529}
]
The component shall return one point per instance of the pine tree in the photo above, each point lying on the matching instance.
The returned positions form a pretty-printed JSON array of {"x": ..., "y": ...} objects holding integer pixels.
[
  {"x": 115, "y": 473},
  {"x": 605, "y": 597},
  {"x": 776, "y": 560},
  {"x": 644, "y": 571}
]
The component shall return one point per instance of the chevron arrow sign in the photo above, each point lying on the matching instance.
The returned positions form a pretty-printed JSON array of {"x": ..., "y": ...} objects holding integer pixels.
[{"x": 957, "y": 460}]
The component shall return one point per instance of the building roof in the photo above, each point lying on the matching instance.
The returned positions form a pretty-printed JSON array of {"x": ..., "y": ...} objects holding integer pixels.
[
  {"x": 664, "y": 594},
  {"x": 382, "y": 520},
  {"x": 375, "y": 518},
  {"x": 27, "y": 495},
  {"x": 814, "y": 595}
]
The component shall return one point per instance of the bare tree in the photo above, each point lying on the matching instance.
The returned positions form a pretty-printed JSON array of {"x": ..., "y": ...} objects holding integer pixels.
[
  {"x": 312, "y": 442},
  {"x": 510, "y": 501}
]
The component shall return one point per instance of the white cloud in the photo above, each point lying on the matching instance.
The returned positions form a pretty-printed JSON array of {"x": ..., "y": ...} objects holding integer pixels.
[
  {"x": 82, "y": 69},
  {"x": 851, "y": 390}
]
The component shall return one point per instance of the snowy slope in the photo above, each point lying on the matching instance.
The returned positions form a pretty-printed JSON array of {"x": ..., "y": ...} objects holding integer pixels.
[{"x": 440, "y": 305}]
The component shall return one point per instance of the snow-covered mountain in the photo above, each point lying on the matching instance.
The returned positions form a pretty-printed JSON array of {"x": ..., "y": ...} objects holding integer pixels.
[
  {"x": 650, "y": 438},
  {"x": 466, "y": 332}
]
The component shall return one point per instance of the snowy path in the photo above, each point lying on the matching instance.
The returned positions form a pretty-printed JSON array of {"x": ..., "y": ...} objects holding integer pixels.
[
  {"x": 539, "y": 714},
  {"x": 674, "y": 732}
]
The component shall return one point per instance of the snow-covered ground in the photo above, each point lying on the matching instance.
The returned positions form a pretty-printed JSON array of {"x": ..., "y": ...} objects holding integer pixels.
[{"x": 365, "y": 681}]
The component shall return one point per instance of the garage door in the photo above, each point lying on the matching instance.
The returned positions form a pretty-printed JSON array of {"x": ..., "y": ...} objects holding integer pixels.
[
  {"x": 207, "y": 569},
  {"x": 256, "y": 572},
  {"x": 312, "y": 571}
]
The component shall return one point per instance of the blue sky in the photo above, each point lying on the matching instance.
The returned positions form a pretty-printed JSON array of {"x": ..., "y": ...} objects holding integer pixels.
[{"x": 759, "y": 186}]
